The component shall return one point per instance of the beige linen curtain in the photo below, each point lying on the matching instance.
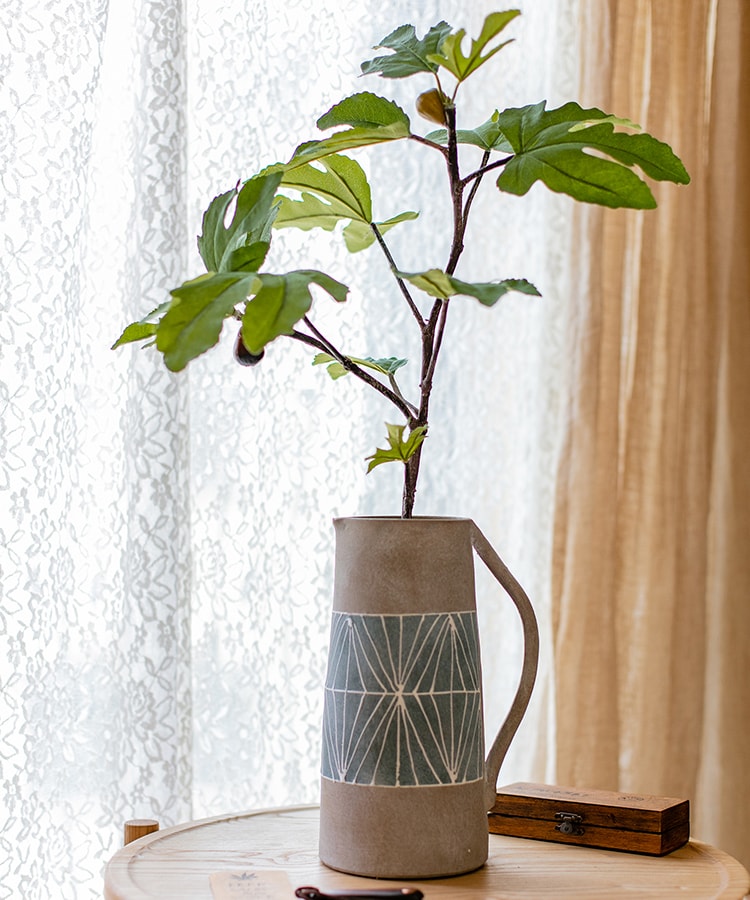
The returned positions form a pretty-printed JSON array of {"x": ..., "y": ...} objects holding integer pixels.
[{"x": 651, "y": 566}]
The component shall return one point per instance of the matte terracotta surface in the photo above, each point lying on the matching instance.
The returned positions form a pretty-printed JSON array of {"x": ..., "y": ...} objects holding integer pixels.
[
  {"x": 396, "y": 566},
  {"x": 421, "y": 832}
]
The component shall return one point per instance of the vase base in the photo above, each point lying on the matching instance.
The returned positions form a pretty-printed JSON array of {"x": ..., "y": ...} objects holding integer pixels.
[{"x": 403, "y": 833}]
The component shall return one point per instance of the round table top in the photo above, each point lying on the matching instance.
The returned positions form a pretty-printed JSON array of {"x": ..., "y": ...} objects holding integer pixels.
[{"x": 269, "y": 853}]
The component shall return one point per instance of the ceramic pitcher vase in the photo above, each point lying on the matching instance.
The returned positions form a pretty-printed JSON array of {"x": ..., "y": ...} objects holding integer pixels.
[{"x": 405, "y": 786}]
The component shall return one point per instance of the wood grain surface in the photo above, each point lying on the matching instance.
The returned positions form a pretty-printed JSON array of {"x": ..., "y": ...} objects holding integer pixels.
[
  {"x": 635, "y": 822},
  {"x": 177, "y": 864}
]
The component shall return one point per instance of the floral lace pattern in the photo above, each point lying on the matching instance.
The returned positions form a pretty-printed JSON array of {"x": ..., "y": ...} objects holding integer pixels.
[{"x": 165, "y": 541}]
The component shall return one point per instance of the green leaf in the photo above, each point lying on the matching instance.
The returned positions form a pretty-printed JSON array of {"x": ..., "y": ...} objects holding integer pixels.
[
  {"x": 549, "y": 147},
  {"x": 451, "y": 57},
  {"x": 359, "y": 235},
  {"x": 398, "y": 450},
  {"x": 411, "y": 54},
  {"x": 364, "y": 110},
  {"x": 336, "y": 370},
  {"x": 489, "y": 293},
  {"x": 251, "y": 223},
  {"x": 347, "y": 140},
  {"x": 437, "y": 283},
  {"x": 487, "y": 136},
  {"x": 145, "y": 328},
  {"x": 434, "y": 282},
  {"x": 334, "y": 288},
  {"x": 250, "y": 257},
  {"x": 339, "y": 190},
  {"x": 335, "y": 192},
  {"x": 281, "y": 302},
  {"x": 136, "y": 331},
  {"x": 615, "y": 120},
  {"x": 388, "y": 366},
  {"x": 194, "y": 320},
  {"x": 375, "y": 120}
]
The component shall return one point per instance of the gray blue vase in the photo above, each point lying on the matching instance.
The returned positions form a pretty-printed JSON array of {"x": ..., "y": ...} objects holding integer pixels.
[{"x": 405, "y": 788}]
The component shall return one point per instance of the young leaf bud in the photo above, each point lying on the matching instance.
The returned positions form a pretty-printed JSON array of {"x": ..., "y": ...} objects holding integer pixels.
[
  {"x": 430, "y": 106},
  {"x": 243, "y": 356}
]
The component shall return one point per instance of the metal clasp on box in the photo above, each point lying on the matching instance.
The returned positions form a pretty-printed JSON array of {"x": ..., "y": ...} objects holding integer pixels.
[{"x": 568, "y": 823}]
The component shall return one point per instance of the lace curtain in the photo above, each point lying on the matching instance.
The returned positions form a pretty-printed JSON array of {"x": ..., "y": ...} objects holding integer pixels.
[{"x": 165, "y": 540}]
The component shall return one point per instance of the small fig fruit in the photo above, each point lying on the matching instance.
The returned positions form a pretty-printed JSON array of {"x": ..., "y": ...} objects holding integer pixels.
[
  {"x": 430, "y": 106},
  {"x": 243, "y": 356}
]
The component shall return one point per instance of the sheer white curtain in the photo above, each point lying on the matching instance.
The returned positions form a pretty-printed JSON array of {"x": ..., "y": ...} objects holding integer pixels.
[{"x": 165, "y": 540}]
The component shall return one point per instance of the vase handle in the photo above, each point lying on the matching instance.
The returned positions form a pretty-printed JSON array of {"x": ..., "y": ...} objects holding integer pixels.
[{"x": 499, "y": 748}]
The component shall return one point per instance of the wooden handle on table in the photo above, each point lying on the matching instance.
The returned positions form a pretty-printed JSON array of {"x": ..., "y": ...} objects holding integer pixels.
[{"x": 135, "y": 828}]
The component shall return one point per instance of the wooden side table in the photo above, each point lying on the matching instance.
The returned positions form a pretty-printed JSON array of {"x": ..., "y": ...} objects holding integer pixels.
[{"x": 267, "y": 854}]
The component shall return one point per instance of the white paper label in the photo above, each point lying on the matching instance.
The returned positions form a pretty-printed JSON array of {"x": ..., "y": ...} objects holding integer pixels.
[{"x": 258, "y": 885}]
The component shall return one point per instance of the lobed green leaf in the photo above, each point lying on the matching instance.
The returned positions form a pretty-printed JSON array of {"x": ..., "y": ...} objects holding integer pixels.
[
  {"x": 251, "y": 222},
  {"x": 333, "y": 189},
  {"x": 339, "y": 190},
  {"x": 451, "y": 57},
  {"x": 550, "y": 145},
  {"x": 410, "y": 53},
  {"x": 281, "y": 302},
  {"x": 194, "y": 320},
  {"x": 398, "y": 450}
]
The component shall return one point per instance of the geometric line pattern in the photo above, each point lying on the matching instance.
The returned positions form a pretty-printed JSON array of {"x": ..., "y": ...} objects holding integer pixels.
[{"x": 403, "y": 703}]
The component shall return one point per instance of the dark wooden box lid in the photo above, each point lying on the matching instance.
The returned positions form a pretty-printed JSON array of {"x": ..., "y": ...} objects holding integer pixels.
[{"x": 604, "y": 809}]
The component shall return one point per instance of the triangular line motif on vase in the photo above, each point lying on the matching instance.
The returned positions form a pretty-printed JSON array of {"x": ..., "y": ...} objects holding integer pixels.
[{"x": 403, "y": 703}]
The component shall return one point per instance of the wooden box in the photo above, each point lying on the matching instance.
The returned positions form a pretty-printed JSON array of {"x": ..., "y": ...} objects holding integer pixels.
[{"x": 634, "y": 822}]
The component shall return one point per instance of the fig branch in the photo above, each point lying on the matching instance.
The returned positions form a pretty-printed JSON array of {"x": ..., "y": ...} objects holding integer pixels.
[
  {"x": 484, "y": 168},
  {"x": 401, "y": 283},
  {"x": 545, "y": 146},
  {"x": 317, "y": 340},
  {"x": 432, "y": 334}
]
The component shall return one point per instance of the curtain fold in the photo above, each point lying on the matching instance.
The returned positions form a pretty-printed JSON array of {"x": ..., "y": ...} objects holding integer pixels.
[
  {"x": 723, "y": 790},
  {"x": 650, "y": 584}
]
